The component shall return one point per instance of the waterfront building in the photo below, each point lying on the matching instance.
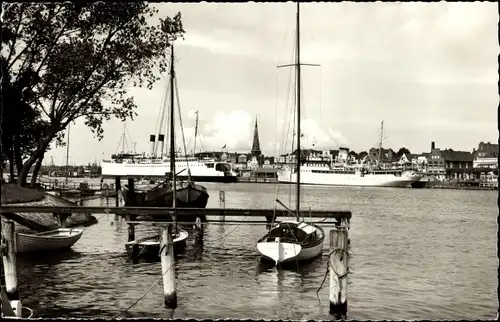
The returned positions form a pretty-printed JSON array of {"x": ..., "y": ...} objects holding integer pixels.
[{"x": 486, "y": 156}]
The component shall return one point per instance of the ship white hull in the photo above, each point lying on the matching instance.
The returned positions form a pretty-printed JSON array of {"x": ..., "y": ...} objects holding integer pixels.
[
  {"x": 282, "y": 253},
  {"x": 356, "y": 179},
  {"x": 199, "y": 171}
]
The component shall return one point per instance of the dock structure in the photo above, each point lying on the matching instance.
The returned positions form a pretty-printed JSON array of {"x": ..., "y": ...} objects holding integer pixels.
[{"x": 163, "y": 217}]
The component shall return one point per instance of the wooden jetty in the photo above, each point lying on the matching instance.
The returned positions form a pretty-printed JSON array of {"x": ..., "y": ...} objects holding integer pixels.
[{"x": 337, "y": 260}]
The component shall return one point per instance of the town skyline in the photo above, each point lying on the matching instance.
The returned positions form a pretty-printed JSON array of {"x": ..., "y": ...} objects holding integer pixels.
[{"x": 423, "y": 69}]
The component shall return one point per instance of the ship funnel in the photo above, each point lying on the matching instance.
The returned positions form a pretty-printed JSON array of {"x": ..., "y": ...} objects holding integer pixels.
[
  {"x": 152, "y": 144},
  {"x": 161, "y": 138}
]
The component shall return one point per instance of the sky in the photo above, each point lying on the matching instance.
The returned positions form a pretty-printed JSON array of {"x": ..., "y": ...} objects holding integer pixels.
[{"x": 428, "y": 70}]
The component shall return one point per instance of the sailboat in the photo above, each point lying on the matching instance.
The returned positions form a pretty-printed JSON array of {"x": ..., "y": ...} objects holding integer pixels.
[
  {"x": 188, "y": 194},
  {"x": 169, "y": 194},
  {"x": 293, "y": 240}
]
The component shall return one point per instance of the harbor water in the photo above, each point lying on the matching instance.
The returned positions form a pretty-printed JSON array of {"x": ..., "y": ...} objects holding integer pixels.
[{"x": 414, "y": 254}]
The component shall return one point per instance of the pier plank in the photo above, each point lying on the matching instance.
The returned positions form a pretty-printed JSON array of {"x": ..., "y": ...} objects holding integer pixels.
[{"x": 162, "y": 211}]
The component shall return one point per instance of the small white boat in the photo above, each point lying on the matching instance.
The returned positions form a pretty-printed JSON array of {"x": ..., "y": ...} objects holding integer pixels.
[
  {"x": 62, "y": 238},
  {"x": 291, "y": 241},
  {"x": 149, "y": 247}
]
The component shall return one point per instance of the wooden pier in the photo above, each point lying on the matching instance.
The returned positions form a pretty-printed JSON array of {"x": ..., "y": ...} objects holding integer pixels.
[{"x": 163, "y": 216}]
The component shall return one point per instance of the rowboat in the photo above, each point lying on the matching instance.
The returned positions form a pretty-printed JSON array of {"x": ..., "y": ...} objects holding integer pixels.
[
  {"x": 149, "y": 247},
  {"x": 58, "y": 239},
  {"x": 291, "y": 241}
]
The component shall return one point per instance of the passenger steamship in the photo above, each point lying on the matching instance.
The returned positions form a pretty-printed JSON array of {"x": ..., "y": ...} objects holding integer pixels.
[{"x": 155, "y": 168}]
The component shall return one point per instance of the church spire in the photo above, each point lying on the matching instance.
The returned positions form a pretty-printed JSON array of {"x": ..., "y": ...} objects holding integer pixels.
[{"x": 256, "y": 144}]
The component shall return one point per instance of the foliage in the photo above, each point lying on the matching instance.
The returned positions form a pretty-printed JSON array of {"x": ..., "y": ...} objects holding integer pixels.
[
  {"x": 81, "y": 57},
  {"x": 402, "y": 151}
]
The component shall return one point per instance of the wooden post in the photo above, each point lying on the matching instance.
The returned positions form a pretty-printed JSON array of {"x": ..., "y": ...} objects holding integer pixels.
[
  {"x": 9, "y": 260},
  {"x": 131, "y": 191},
  {"x": 338, "y": 267},
  {"x": 62, "y": 220},
  {"x": 118, "y": 187},
  {"x": 167, "y": 266},
  {"x": 131, "y": 228},
  {"x": 222, "y": 202}
]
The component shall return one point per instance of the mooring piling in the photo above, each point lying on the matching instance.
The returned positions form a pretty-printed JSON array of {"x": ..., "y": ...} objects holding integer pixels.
[
  {"x": 131, "y": 227},
  {"x": 222, "y": 204},
  {"x": 338, "y": 266},
  {"x": 118, "y": 187},
  {"x": 10, "y": 265},
  {"x": 167, "y": 266},
  {"x": 62, "y": 220}
]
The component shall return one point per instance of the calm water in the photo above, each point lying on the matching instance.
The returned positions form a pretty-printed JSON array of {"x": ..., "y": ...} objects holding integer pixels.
[{"x": 415, "y": 254}]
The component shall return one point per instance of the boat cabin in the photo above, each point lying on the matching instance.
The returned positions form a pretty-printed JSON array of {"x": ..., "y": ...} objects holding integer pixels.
[{"x": 293, "y": 232}]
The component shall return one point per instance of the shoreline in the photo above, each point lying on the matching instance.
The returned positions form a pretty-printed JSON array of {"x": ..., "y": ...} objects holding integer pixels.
[{"x": 15, "y": 195}]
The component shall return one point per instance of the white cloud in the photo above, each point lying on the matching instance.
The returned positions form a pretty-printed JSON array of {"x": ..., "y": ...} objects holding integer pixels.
[
  {"x": 314, "y": 136},
  {"x": 233, "y": 129}
]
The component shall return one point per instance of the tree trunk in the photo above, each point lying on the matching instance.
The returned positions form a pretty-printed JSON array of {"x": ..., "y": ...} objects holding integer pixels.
[
  {"x": 38, "y": 154},
  {"x": 11, "y": 167},
  {"x": 38, "y": 165},
  {"x": 17, "y": 153}
]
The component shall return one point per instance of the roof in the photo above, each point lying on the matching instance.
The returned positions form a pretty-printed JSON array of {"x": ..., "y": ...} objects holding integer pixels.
[
  {"x": 488, "y": 147},
  {"x": 459, "y": 156}
]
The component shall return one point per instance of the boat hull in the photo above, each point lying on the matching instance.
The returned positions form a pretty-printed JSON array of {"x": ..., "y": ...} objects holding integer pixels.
[
  {"x": 200, "y": 171},
  {"x": 282, "y": 253},
  {"x": 149, "y": 248},
  {"x": 187, "y": 196},
  {"x": 333, "y": 179},
  {"x": 219, "y": 179},
  {"x": 59, "y": 239},
  {"x": 280, "y": 247}
]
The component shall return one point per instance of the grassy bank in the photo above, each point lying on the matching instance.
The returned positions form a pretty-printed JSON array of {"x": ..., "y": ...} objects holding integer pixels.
[{"x": 12, "y": 193}]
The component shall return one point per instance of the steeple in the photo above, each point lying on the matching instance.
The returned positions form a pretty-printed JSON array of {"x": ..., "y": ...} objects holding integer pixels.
[{"x": 256, "y": 145}]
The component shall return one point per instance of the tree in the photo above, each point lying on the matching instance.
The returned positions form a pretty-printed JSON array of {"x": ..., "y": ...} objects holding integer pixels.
[
  {"x": 80, "y": 58},
  {"x": 354, "y": 154},
  {"x": 402, "y": 151}
]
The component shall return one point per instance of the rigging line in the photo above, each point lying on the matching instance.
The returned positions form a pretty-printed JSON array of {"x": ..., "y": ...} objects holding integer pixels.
[
  {"x": 145, "y": 293},
  {"x": 130, "y": 138},
  {"x": 181, "y": 126},
  {"x": 232, "y": 231},
  {"x": 163, "y": 98}
]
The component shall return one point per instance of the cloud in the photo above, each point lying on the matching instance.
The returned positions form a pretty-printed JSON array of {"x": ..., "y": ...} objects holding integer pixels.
[
  {"x": 314, "y": 136},
  {"x": 233, "y": 129}
]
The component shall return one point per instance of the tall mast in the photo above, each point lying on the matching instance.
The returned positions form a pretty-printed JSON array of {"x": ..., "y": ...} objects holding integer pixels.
[
  {"x": 380, "y": 142},
  {"x": 297, "y": 67},
  {"x": 67, "y": 153},
  {"x": 195, "y": 134},
  {"x": 172, "y": 135},
  {"x": 123, "y": 138}
]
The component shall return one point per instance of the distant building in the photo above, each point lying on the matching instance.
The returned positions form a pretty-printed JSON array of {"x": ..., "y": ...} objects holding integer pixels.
[
  {"x": 256, "y": 143},
  {"x": 486, "y": 156},
  {"x": 387, "y": 156}
]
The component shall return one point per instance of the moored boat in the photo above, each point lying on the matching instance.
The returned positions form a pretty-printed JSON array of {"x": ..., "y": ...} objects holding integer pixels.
[
  {"x": 58, "y": 239},
  {"x": 291, "y": 241},
  {"x": 149, "y": 247},
  {"x": 188, "y": 195}
]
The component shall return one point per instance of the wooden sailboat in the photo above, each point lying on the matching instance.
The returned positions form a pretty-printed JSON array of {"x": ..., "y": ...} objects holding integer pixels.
[
  {"x": 149, "y": 247},
  {"x": 293, "y": 240},
  {"x": 188, "y": 194}
]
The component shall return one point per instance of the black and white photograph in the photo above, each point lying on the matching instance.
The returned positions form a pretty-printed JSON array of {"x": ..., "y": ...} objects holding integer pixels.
[{"x": 250, "y": 160}]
